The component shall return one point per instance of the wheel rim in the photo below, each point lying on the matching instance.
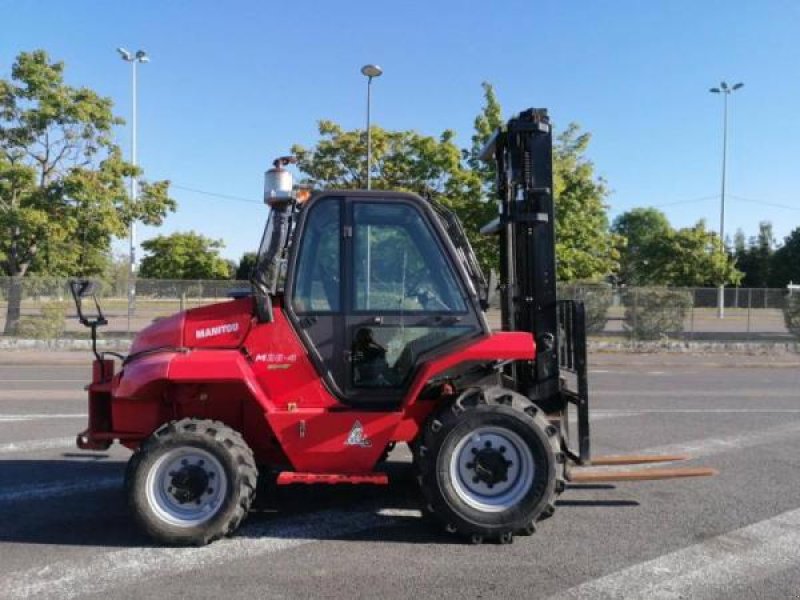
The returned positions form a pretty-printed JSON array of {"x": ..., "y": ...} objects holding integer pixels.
[
  {"x": 492, "y": 469},
  {"x": 186, "y": 486}
]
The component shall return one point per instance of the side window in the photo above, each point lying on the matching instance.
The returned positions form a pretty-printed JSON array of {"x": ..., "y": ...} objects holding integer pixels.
[
  {"x": 399, "y": 266},
  {"x": 317, "y": 285}
]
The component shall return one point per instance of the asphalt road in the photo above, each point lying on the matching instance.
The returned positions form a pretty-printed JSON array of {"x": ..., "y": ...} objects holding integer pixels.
[{"x": 65, "y": 530}]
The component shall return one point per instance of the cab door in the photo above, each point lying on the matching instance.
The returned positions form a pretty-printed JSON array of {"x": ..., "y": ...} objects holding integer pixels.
[
  {"x": 315, "y": 288},
  {"x": 375, "y": 290},
  {"x": 404, "y": 299}
]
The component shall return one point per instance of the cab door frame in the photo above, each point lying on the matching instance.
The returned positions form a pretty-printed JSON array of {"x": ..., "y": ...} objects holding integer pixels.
[{"x": 334, "y": 367}]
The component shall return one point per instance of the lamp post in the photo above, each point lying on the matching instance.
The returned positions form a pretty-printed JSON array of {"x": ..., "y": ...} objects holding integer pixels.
[
  {"x": 370, "y": 71},
  {"x": 139, "y": 57},
  {"x": 726, "y": 91}
]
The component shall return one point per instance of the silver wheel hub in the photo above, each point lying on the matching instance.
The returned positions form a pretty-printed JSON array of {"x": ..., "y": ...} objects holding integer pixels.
[
  {"x": 186, "y": 486},
  {"x": 492, "y": 469}
]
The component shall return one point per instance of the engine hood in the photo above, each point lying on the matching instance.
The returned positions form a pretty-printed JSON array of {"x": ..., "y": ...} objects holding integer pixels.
[{"x": 222, "y": 325}]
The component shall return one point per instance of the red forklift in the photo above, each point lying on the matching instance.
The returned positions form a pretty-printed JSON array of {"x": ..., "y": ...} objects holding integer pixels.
[{"x": 366, "y": 327}]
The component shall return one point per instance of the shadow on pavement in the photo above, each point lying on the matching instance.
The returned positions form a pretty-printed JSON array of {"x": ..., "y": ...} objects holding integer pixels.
[{"x": 76, "y": 502}]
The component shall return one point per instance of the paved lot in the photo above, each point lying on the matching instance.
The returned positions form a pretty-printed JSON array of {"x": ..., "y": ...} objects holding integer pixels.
[{"x": 65, "y": 533}]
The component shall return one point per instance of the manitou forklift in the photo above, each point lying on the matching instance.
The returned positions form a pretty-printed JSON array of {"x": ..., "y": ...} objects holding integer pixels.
[{"x": 366, "y": 328}]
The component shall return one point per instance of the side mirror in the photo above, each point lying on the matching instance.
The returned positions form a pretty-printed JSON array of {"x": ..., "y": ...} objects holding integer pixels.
[{"x": 83, "y": 288}]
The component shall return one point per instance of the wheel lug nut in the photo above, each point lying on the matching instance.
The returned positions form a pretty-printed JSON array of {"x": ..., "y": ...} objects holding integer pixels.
[
  {"x": 488, "y": 444},
  {"x": 184, "y": 462},
  {"x": 470, "y": 465},
  {"x": 201, "y": 462},
  {"x": 210, "y": 475},
  {"x": 474, "y": 450},
  {"x": 502, "y": 448}
]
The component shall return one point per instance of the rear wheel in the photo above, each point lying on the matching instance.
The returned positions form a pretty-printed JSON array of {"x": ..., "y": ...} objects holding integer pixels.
[
  {"x": 191, "y": 482},
  {"x": 490, "y": 465}
]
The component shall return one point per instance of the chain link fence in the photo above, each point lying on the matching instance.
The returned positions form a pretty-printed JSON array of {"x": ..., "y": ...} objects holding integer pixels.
[
  {"x": 47, "y": 309},
  {"x": 751, "y": 314}
]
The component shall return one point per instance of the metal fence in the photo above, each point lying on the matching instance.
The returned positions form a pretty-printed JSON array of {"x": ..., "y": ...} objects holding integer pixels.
[{"x": 751, "y": 314}]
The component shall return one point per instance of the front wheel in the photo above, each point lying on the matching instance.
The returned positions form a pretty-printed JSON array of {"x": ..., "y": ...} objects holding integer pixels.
[
  {"x": 191, "y": 482},
  {"x": 490, "y": 465}
]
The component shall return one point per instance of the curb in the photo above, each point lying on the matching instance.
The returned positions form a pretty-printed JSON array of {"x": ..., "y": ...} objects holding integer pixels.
[
  {"x": 62, "y": 344},
  {"x": 748, "y": 348},
  {"x": 659, "y": 346}
]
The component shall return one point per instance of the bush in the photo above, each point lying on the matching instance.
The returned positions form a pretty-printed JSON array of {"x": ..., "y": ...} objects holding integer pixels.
[
  {"x": 47, "y": 325},
  {"x": 651, "y": 313},
  {"x": 791, "y": 314},
  {"x": 596, "y": 297}
]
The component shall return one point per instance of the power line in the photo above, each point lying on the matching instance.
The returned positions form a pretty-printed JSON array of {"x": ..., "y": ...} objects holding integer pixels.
[
  {"x": 764, "y": 202},
  {"x": 215, "y": 194},
  {"x": 687, "y": 201}
]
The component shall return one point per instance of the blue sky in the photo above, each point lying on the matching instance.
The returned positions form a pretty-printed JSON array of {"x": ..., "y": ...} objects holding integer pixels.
[{"x": 233, "y": 84}]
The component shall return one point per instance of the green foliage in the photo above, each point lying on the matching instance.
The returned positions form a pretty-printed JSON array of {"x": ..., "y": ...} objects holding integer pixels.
[
  {"x": 48, "y": 325},
  {"x": 246, "y": 265},
  {"x": 183, "y": 255},
  {"x": 755, "y": 258},
  {"x": 435, "y": 167},
  {"x": 402, "y": 160},
  {"x": 596, "y": 298},
  {"x": 651, "y": 313},
  {"x": 791, "y": 314},
  {"x": 786, "y": 261},
  {"x": 656, "y": 254},
  {"x": 584, "y": 246},
  {"x": 62, "y": 178},
  {"x": 642, "y": 228}
]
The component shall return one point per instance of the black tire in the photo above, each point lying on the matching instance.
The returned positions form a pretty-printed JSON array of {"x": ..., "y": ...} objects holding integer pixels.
[
  {"x": 167, "y": 502},
  {"x": 439, "y": 458}
]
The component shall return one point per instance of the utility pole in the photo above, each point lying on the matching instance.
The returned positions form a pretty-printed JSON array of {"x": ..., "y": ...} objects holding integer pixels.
[
  {"x": 726, "y": 91},
  {"x": 139, "y": 57},
  {"x": 370, "y": 71}
]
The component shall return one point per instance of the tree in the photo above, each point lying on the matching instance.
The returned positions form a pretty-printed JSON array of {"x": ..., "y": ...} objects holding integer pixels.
[
  {"x": 402, "y": 160},
  {"x": 246, "y": 266},
  {"x": 62, "y": 178},
  {"x": 786, "y": 261},
  {"x": 642, "y": 228},
  {"x": 755, "y": 259},
  {"x": 585, "y": 247},
  {"x": 183, "y": 255},
  {"x": 690, "y": 257},
  {"x": 436, "y": 168}
]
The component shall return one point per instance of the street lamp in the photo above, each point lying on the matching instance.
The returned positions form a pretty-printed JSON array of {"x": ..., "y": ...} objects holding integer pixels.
[
  {"x": 370, "y": 71},
  {"x": 139, "y": 57},
  {"x": 726, "y": 91}
]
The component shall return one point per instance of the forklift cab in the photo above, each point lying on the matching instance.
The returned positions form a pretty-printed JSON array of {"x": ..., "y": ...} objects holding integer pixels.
[{"x": 374, "y": 287}]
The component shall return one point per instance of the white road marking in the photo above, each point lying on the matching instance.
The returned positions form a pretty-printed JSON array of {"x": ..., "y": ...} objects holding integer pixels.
[
  {"x": 109, "y": 570},
  {"x": 754, "y": 394},
  {"x": 39, "y": 491},
  {"x": 34, "y": 445},
  {"x": 712, "y": 446},
  {"x": 704, "y": 570},
  {"x": 12, "y": 418},
  {"x": 626, "y": 412},
  {"x": 43, "y": 394},
  {"x": 40, "y": 380}
]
